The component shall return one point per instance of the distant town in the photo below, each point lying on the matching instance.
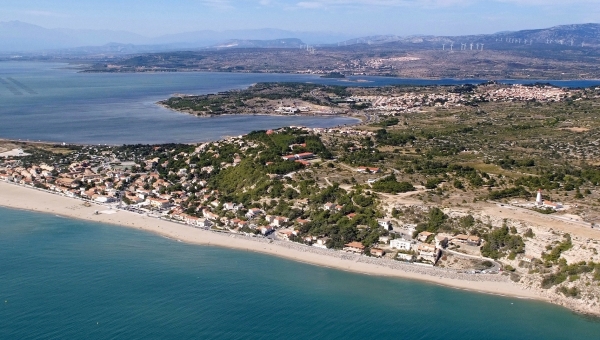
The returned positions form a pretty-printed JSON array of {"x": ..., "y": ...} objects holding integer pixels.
[{"x": 365, "y": 102}]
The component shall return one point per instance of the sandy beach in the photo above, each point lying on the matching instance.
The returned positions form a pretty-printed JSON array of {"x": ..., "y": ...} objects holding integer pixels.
[{"x": 19, "y": 197}]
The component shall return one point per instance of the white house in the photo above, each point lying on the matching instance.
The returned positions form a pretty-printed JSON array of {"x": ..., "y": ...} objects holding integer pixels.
[
  {"x": 104, "y": 199},
  {"x": 285, "y": 234},
  {"x": 266, "y": 229},
  {"x": 279, "y": 221},
  {"x": 426, "y": 251},
  {"x": 208, "y": 214},
  {"x": 401, "y": 244},
  {"x": 329, "y": 206},
  {"x": 385, "y": 224},
  {"x": 232, "y": 206},
  {"x": 158, "y": 202},
  {"x": 253, "y": 212},
  {"x": 384, "y": 239},
  {"x": 321, "y": 242},
  {"x": 405, "y": 257}
]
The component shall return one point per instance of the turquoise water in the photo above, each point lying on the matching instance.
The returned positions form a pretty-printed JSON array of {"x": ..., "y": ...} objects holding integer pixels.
[{"x": 67, "y": 279}]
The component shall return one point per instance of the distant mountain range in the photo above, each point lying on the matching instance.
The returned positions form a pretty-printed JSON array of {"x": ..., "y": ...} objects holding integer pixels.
[
  {"x": 16, "y": 36},
  {"x": 20, "y": 37},
  {"x": 577, "y": 34}
]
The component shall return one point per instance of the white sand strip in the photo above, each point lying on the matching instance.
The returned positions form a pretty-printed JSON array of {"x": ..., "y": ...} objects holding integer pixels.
[{"x": 19, "y": 197}]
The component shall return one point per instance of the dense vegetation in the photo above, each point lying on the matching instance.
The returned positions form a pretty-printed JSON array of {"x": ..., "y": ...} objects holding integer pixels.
[{"x": 500, "y": 241}]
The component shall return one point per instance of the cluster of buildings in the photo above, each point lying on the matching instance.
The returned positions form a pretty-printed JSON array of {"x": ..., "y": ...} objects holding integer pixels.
[
  {"x": 409, "y": 102},
  {"x": 76, "y": 180},
  {"x": 428, "y": 246},
  {"x": 519, "y": 92},
  {"x": 413, "y": 102},
  {"x": 299, "y": 157},
  {"x": 292, "y": 109},
  {"x": 377, "y": 63},
  {"x": 343, "y": 131},
  {"x": 367, "y": 66}
]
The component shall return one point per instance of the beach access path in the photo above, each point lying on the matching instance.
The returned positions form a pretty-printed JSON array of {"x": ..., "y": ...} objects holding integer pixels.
[{"x": 27, "y": 198}]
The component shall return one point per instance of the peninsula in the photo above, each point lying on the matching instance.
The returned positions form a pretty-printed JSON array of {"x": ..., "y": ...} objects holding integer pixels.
[{"x": 492, "y": 187}]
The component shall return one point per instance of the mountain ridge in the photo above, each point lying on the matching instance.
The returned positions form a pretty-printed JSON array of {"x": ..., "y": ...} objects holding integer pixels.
[{"x": 17, "y": 36}]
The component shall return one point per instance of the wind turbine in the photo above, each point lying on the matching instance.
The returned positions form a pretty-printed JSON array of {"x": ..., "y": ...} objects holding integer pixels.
[
  {"x": 443, "y": 47},
  {"x": 482, "y": 47}
]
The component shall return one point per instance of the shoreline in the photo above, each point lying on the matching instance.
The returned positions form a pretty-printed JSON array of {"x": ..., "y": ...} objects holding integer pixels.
[
  {"x": 19, "y": 197},
  {"x": 360, "y": 119},
  {"x": 150, "y": 71}
]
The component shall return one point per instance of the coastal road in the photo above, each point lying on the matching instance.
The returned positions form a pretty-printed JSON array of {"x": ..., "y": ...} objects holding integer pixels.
[{"x": 503, "y": 210}]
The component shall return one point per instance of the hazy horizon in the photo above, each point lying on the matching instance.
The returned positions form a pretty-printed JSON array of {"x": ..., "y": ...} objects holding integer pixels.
[{"x": 153, "y": 18}]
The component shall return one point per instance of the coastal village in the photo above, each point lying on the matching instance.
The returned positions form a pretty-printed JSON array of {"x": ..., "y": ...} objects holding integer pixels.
[
  {"x": 311, "y": 99},
  {"x": 101, "y": 177},
  {"x": 369, "y": 192}
]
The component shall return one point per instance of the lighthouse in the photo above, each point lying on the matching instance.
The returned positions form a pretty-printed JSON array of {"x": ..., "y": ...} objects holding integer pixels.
[{"x": 538, "y": 198}]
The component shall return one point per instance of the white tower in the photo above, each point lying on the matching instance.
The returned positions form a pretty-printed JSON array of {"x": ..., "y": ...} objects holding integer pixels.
[{"x": 538, "y": 199}]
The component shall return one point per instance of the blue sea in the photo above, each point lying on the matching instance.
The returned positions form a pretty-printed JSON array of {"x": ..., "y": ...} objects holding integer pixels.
[
  {"x": 54, "y": 102},
  {"x": 68, "y": 279}
]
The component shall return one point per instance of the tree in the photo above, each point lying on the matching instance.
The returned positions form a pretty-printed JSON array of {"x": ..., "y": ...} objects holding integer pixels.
[
  {"x": 500, "y": 241},
  {"x": 467, "y": 221},
  {"x": 529, "y": 233},
  {"x": 390, "y": 185}
]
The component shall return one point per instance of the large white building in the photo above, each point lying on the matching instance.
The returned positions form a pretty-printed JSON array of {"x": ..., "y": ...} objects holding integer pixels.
[{"x": 401, "y": 244}]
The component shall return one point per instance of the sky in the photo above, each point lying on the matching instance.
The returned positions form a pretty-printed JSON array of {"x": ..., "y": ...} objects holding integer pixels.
[{"x": 153, "y": 18}]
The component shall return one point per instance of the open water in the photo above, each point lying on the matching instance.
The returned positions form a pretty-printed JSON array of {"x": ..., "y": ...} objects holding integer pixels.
[
  {"x": 52, "y": 102},
  {"x": 68, "y": 279}
]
